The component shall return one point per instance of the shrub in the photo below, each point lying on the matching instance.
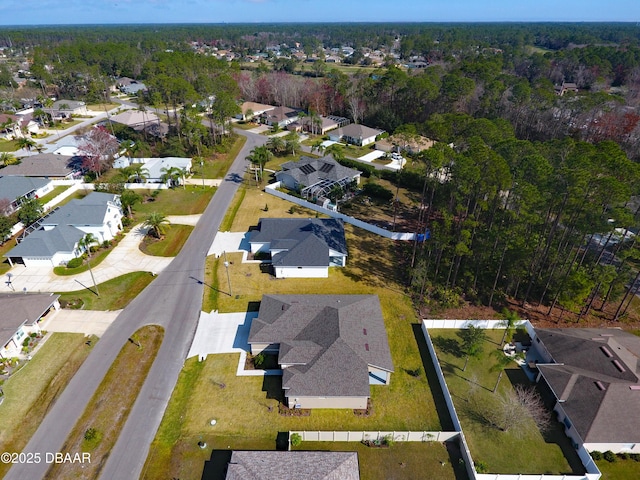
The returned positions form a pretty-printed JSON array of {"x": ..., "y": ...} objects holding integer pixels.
[
  {"x": 377, "y": 191},
  {"x": 635, "y": 457},
  {"x": 296, "y": 439},
  {"x": 74, "y": 262},
  {"x": 624, "y": 456},
  {"x": 25, "y": 342},
  {"x": 609, "y": 456},
  {"x": 596, "y": 455},
  {"x": 90, "y": 434},
  {"x": 481, "y": 467},
  {"x": 258, "y": 360},
  {"x": 33, "y": 335}
]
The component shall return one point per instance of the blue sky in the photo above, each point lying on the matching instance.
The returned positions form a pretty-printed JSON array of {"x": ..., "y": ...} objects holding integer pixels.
[{"x": 47, "y": 12}]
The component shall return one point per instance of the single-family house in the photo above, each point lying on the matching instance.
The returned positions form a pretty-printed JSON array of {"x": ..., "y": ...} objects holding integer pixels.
[
  {"x": 249, "y": 110},
  {"x": 47, "y": 165},
  {"x": 355, "y": 134},
  {"x": 281, "y": 116},
  {"x": 399, "y": 143},
  {"x": 157, "y": 168},
  {"x": 318, "y": 125},
  {"x": 10, "y": 126},
  {"x": 54, "y": 238},
  {"x": 594, "y": 376},
  {"x": 331, "y": 348},
  {"x": 66, "y": 108},
  {"x": 565, "y": 87},
  {"x": 300, "y": 247},
  {"x": 17, "y": 189},
  {"x": 21, "y": 315},
  {"x": 315, "y": 177},
  {"x": 133, "y": 88},
  {"x": 136, "y": 119},
  {"x": 283, "y": 465}
]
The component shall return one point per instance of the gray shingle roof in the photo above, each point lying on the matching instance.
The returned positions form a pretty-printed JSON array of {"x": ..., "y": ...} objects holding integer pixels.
[
  {"x": 309, "y": 171},
  {"x": 332, "y": 339},
  {"x": 265, "y": 465},
  {"x": 42, "y": 165},
  {"x": 89, "y": 210},
  {"x": 355, "y": 130},
  {"x": 594, "y": 371},
  {"x": 19, "y": 309},
  {"x": 307, "y": 241},
  {"x": 17, "y": 186},
  {"x": 41, "y": 243}
]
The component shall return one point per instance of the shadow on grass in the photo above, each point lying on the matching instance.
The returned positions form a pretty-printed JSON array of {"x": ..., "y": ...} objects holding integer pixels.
[
  {"x": 272, "y": 385},
  {"x": 88, "y": 288},
  {"x": 555, "y": 433},
  {"x": 432, "y": 378},
  {"x": 202, "y": 282},
  {"x": 455, "y": 457},
  {"x": 447, "y": 345},
  {"x": 216, "y": 467}
]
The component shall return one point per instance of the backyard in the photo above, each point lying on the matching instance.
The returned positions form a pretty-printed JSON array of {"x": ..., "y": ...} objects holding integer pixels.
[{"x": 522, "y": 449}]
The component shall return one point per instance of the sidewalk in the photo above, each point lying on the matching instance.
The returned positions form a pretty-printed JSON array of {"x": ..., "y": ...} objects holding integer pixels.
[{"x": 126, "y": 257}]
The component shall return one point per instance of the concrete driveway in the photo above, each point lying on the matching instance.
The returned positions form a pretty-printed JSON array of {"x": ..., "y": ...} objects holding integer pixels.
[
  {"x": 230, "y": 242},
  {"x": 89, "y": 322},
  {"x": 221, "y": 333}
]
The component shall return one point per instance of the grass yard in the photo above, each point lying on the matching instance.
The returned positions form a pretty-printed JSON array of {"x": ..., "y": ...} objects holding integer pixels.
[
  {"x": 101, "y": 107},
  {"x": 110, "y": 405},
  {"x": 620, "y": 469},
  {"x": 8, "y": 145},
  {"x": 249, "y": 205},
  {"x": 170, "y": 245},
  {"x": 177, "y": 201},
  {"x": 96, "y": 259},
  {"x": 31, "y": 392},
  {"x": 114, "y": 294},
  {"x": 402, "y": 461},
  {"x": 218, "y": 166},
  {"x": 53, "y": 194},
  {"x": 524, "y": 450}
]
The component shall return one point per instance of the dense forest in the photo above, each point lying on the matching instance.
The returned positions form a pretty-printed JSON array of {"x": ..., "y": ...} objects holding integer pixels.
[{"x": 528, "y": 194}]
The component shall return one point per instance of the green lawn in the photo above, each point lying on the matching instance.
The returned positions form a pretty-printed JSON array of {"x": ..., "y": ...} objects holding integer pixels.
[
  {"x": 8, "y": 145},
  {"x": 108, "y": 409},
  {"x": 30, "y": 393},
  {"x": 53, "y": 194},
  {"x": 409, "y": 460},
  {"x": 510, "y": 451},
  {"x": 177, "y": 201},
  {"x": 114, "y": 294},
  {"x": 218, "y": 165},
  {"x": 170, "y": 245},
  {"x": 620, "y": 469},
  {"x": 96, "y": 259}
]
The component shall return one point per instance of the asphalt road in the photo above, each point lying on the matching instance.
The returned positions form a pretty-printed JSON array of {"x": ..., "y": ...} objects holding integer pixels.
[{"x": 173, "y": 300}]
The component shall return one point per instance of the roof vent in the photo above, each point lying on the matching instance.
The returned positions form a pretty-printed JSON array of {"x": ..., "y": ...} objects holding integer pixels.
[
  {"x": 606, "y": 334},
  {"x": 366, "y": 347},
  {"x": 364, "y": 331},
  {"x": 618, "y": 365},
  {"x": 634, "y": 387},
  {"x": 600, "y": 386},
  {"x": 606, "y": 351}
]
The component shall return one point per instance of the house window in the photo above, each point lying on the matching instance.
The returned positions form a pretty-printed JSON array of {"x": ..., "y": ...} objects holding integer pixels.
[
  {"x": 20, "y": 334},
  {"x": 567, "y": 422}
]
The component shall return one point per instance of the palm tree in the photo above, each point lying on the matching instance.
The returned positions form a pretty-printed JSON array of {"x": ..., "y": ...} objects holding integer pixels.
[
  {"x": 25, "y": 143},
  {"x": 156, "y": 222},
  {"x": 317, "y": 145},
  {"x": 502, "y": 361},
  {"x": 292, "y": 143},
  {"x": 508, "y": 323},
  {"x": 173, "y": 176},
  {"x": 276, "y": 145},
  {"x": 85, "y": 244},
  {"x": 260, "y": 156},
  {"x": 7, "y": 159}
]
